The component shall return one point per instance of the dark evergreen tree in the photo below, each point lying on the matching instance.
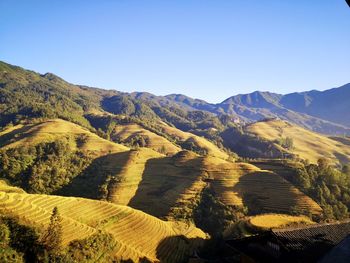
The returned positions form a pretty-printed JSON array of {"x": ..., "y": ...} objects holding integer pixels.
[{"x": 52, "y": 239}]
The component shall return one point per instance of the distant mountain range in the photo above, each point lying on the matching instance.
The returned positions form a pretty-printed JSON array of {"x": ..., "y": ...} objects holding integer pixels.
[{"x": 322, "y": 111}]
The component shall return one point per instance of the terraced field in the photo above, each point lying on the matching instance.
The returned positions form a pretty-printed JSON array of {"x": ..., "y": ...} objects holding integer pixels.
[
  {"x": 137, "y": 234},
  {"x": 238, "y": 184},
  {"x": 126, "y": 132},
  {"x": 5, "y": 187},
  {"x": 172, "y": 184},
  {"x": 268, "y": 221},
  {"x": 169, "y": 183},
  {"x": 307, "y": 144},
  {"x": 131, "y": 171},
  {"x": 200, "y": 142},
  {"x": 266, "y": 191},
  {"x": 256, "y": 224},
  {"x": 224, "y": 176},
  {"x": 164, "y": 186},
  {"x": 51, "y": 130}
]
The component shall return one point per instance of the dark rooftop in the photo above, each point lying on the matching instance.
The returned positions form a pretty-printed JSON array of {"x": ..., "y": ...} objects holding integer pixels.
[
  {"x": 302, "y": 244},
  {"x": 339, "y": 254}
]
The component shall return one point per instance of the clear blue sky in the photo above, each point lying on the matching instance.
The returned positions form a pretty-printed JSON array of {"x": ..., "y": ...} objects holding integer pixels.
[{"x": 205, "y": 49}]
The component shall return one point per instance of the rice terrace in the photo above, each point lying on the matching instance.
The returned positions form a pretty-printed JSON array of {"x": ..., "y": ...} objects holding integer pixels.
[{"x": 174, "y": 131}]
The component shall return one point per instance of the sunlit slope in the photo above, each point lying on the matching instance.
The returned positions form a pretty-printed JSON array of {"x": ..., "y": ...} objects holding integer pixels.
[
  {"x": 307, "y": 144},
  {"x": 238, "y": 184},
  {"x": 131, "y": 170},
  {"x": 51, "y": 130},
  {"x": 137, "y": 234},
  {"x": 171, "y": 185},
  {"x": 126, "y": 132},
  {"x": 224, "y": 176},
  {"x": 253, "y": 225},
  {"x": 114, "y": 177},
  {"x": 5, "y": 187},
  {"x": 198, "y": 141},
  {"x": 267, "y": 221},
  {"x": 268, "y": 192}
]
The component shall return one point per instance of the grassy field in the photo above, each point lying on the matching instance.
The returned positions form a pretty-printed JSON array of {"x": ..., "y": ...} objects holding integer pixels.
[
  {"x": 307, "y": 144},
  {"x": 137, "y": 234}
]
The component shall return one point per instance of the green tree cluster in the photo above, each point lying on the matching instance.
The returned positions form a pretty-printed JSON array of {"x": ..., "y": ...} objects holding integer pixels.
[
  {"x": 328, "y": 186},
  {"x": 286, "y": 142},
  {"x": 43, "y": 168}
]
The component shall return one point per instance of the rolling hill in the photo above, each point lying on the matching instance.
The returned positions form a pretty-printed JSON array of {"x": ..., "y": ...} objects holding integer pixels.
[
  {"x": 132, "y": 229},
  {"x": 23, "y": 135},
  {"x": 170, "y": 187},
  {"x": 52, "y": 97},
  {"x": 306, "y": 144},
  {"x": 126, "y": 133},
  {"x": 189, "y": 140},
  {"x": 172, "y": 158}
]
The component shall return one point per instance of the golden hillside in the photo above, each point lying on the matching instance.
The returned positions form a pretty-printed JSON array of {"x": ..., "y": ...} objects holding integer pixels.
[
  {"x": 253, "y": 225},
  {"x": 198, "y": 141},
  {"x": 240, "y": 184},
  {"x": 51, "y": 130},
  {"x": 127, "y": 169},
  {"x": 126, "y": 132},
  {"x": 137, "y": 234},
  {"x": 169, "y": 183},
  {"x": 5, "y": 187},
  {"x": 307, "y": 144},
  {"x": 167, "y": 186},
  {"x": 163, "y": 186},
  {"x": 268, "y": 221}
]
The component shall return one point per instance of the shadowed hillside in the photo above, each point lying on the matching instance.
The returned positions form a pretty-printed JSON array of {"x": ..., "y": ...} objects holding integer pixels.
[
  {"x": 268, "y": 192},
  {"x": 169, "y": 183}
]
